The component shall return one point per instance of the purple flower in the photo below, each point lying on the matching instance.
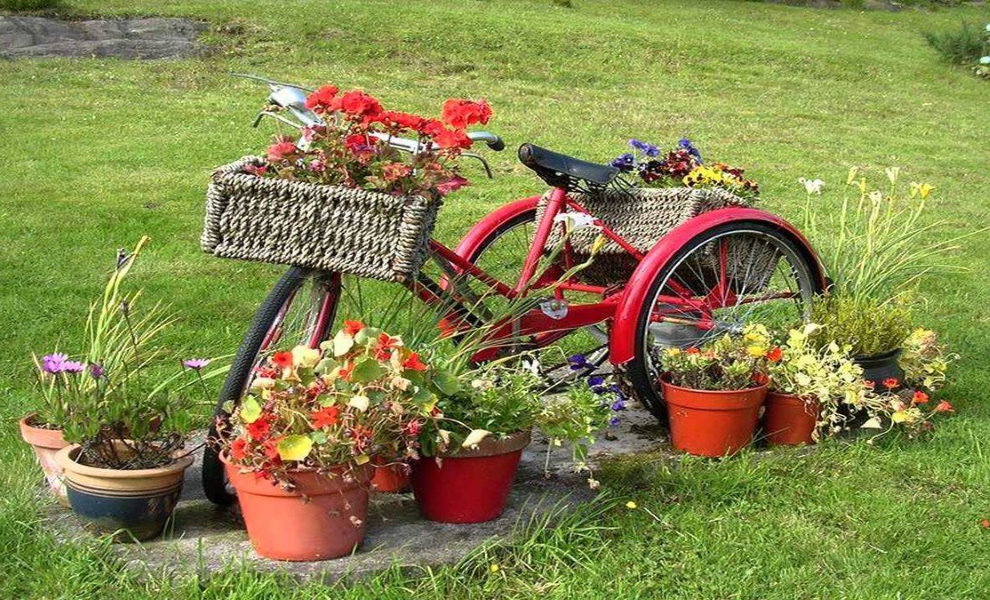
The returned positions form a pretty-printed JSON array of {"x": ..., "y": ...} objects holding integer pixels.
[
  {"x": 687, "y": 145},
  {"x": 96, "y": 371},
  {"x": 578, "y": 362},
  {"x": 595, "y": 381},
  {"x": 53, "y": 363},
  {"x": 645, "y": 147},
  {"x": 625, "y": 162},
  {"x": 71, "y": 366},
  {"x": 196, "y": 363},
  {"x": 619, "y": 405},
  {"x": 613, "y": 422}
]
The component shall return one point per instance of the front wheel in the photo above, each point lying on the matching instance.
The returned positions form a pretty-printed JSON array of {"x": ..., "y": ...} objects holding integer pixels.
[
  {"x": 721, "y": 280},
  {"x": 299, "y": 310}
]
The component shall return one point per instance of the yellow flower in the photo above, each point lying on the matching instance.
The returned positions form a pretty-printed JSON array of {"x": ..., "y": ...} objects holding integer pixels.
[
  {"x": 756, "y": 350},
  {"x": 921, "y": 189},
  {"x": 494, "y": 568},
  {"x": 630, "y": 505},
  {"x": 852, "y": 175}
]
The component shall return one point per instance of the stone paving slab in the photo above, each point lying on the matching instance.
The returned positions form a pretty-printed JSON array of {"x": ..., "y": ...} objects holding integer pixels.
[
  {"x": 206, "y": 538},
  {"x": 121, "y": 38}
]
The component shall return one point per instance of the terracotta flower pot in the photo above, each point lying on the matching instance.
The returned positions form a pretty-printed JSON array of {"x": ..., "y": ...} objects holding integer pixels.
[
  {"x": 130, "y": 504},
  {"x": 390, "y": 478},
  {"x": 712, "y": 423},
  {"x": 324, "y": 517},
  {"x": 789, "y": 420},
  {"x": 470, "y": 486},
  {"x": 46, "y": 443}
]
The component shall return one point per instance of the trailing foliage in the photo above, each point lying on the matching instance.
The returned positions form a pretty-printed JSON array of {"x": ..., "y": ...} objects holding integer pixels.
[{"x": 728, "y": 363}]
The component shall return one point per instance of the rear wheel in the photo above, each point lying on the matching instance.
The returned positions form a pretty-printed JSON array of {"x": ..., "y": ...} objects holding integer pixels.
[
  {"x": 720, "y": 281},
  {"x": 300, "y": 309}
]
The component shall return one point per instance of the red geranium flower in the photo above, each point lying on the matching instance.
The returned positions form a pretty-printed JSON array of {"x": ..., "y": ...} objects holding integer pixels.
[
  {"x": 403, "y": 120},
  {"x": 693, "y": 350},
  {"x": 357, "y": 103},
  {"x": 282, "y": 359},
  {"x": 326, "y": 417},
  {"x": 461, "y": 113},
  {"x": 413, "y": 363},
  {"x": 238, "y": 449},
  {"x": 452, "y": 138},
  {"x": 890, "y": 383},
  {"x": 920, "y": 397},
  {"x": 271, "y": 450},
  {"x": 259, "y": 429},
  {"x": 431, "y": 127},
  {"x": 322, "y": 99},
  {"x": 944, "y": 406},
  {"x": 775, "y": 354},
  {"x": 282, "y": 151}
]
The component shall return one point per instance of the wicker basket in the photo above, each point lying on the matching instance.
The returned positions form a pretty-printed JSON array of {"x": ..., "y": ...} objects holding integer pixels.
[
  {"x": 333, "y": 228},
  {"x": 642, "y": 216}
]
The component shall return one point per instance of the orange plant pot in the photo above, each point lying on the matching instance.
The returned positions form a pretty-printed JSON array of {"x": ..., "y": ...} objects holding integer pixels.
[
  {"x": 789, "y": 420},
  {"x": 389, "y": 478},
  {"x": 712, "y": 423},
  {"x": 329, "y": 522},
  {"x": 46, "y": 443}
]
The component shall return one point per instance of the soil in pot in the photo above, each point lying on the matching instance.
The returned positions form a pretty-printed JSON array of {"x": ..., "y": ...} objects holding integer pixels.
[
  {"x": 324, "y": 517},
  {"x": 390, "y": 478},
  {"x": 712, "y": 423},
  {"x": 789, "y": 420},
  {"x": 46, "y": 443},
  {"x": 471, "y": 486},
  {"x": 132, "y": 505}
]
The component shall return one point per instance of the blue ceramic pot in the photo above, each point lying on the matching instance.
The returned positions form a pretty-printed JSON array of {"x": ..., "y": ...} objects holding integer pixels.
[{"x": 130, "y": 505}]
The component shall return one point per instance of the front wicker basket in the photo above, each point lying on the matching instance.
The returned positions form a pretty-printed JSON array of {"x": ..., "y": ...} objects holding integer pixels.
[{"x": 332, "y": 228}]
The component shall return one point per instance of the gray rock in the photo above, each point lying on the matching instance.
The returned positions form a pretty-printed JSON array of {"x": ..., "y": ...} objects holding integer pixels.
[{"x": 123, "y": 38}]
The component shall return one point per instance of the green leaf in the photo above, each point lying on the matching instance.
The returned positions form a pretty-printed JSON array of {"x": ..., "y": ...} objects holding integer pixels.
[
  {"x": 366, "y": 370},
  {"x": 250, "y": 410},
  {"x": 446, "y": 382},
  {"x": 318, "y": 437},
  {"x": 365, "y": 335},
  {"x": 294, "y": 447},
  {"x": 325, "y": 366}
]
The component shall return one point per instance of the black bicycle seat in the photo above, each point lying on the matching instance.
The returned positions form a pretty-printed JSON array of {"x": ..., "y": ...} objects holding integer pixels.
[{"x": 560, "y": 170}]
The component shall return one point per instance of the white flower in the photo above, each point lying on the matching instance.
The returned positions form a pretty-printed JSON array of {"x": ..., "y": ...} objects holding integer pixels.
[
  {"x": 812, "y": 186},
  {"x": 359, "y": 402},
  {"x": 533, "y": 366},
  {"x": 262, "y": 383},
  {"x": 305, "y": 357},
  {"x": 573, "y": 221},
  {"x": 892, "y": 173}
]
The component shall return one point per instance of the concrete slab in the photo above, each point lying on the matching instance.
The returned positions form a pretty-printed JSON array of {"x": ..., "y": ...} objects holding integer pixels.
[
  {"x": 206, "y": 538},
  {"x": 120, "y": 38}
]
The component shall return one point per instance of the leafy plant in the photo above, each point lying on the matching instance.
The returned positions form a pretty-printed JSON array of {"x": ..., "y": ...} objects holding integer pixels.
[
  {"x": 30, "y": 5},
  {"x": 352, "y": 149},
  {"x": 925, "y": 360},
  {"x": 364, "y": 394},
  {"x": 115, "y": 401},
  {"x": 961, "y": 46},
  {"x": 728, "y": 363},
  {"x": 866, "y": 326},
  {"x": 878, "y": 244}
]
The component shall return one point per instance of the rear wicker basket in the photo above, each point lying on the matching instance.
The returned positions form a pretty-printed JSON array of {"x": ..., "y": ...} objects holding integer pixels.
[
  {"x": 333, "y": 228},
  {"x": 642, "y": 216}
]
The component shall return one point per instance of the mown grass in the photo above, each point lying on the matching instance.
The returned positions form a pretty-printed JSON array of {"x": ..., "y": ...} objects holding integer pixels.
[{"x": 99, "y": 152}]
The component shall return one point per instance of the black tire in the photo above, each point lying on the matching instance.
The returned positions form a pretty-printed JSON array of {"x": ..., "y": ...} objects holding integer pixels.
[
  {"x": 213, "y": 476},
  {"x": 638, "y": 373}
]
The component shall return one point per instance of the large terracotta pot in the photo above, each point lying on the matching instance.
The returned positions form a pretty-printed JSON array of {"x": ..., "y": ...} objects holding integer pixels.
[
  {"x": 130, "y": 504},
  {"x": 470, "y": 486},
  {"x": 390, "y": 478},
  {"x": 46, "y": 443},
  {"x": 712, "y": 423},
  {"x": 324, "y": 517},
  {"x": 789, "y": 420}
]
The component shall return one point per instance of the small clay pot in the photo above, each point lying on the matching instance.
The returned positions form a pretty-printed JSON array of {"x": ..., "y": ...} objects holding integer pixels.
[
  {"x": 471, "y": 485},
  {"x": 789, "y": 420},
  {"x": 133, "y": 505},
  {"x": 389, "y": 478},
  {"x": 712, "y": 423},
  {"x": 46, "y": 443},
  {"x": 324, "y": 517}
]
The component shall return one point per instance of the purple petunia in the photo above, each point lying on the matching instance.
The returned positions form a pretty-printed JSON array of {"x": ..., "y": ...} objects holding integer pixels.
[
  {"x": 196, "y": 363},
  {"x": 687, "y": 145},
  {"x": 619, "y": 405},
  {"x": 578, "y": 361},
  {"x": 54, "y": 363},
  {"x": 645, "y": 147},
  {"x": 595, "y": 381},
  {"x": 625, "y": 162}
]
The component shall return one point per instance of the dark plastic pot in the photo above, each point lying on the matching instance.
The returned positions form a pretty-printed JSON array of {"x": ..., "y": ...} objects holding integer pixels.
[
  {"x": 470, "y": 486},
  {"x": 132, "y": 505},
  {"x": 712, "y": 423},
  {"x": 789, "y": 420},
  {"x": 879, "y": 367}
]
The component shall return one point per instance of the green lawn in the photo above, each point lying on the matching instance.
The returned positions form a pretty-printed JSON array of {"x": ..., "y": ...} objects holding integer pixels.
[{"x": 99, "y": 152}]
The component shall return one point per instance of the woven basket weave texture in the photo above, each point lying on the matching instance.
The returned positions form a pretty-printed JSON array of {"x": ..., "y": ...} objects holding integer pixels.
[{"x": 332, "y": 228}]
